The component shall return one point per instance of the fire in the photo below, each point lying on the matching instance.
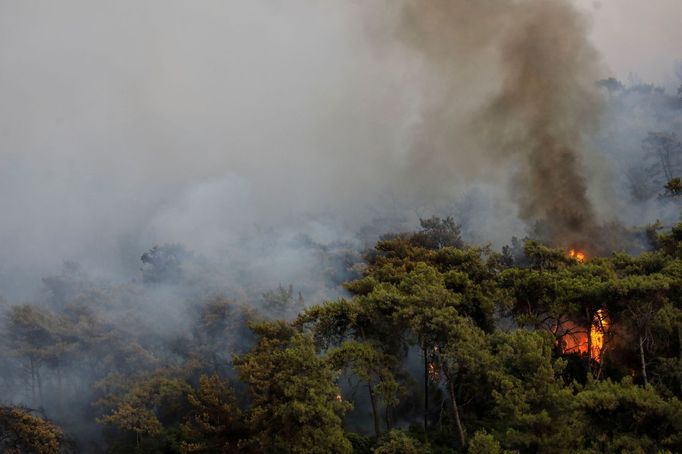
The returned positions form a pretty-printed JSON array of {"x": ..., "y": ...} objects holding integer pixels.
[
  {"x": 599, "y": 327},
  {"x": 578, "y": 255},
  {"x": 575, "y": 341},
  {"x": 433, "y": 372}
]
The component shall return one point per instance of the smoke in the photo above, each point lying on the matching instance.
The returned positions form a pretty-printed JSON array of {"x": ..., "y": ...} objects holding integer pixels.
[
  {"x": 127, "y": 126},
  {"x": 650, "y": 33},
  {"x": 536, "y": 114},
  {"x": 261, "y": 142},
  {"x": 132, "y": 125},
  {"x": 549, "y": 75}
]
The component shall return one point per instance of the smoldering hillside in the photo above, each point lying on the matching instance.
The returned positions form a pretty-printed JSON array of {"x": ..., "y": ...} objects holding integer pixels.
[{"x": 260, "y": 143}]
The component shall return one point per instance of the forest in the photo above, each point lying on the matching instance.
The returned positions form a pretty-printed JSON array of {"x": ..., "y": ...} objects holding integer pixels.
[
  {"x": 442, "y": 227},
  {"x": 417, "y": 343},
  {"x": 439, "y": 347}
]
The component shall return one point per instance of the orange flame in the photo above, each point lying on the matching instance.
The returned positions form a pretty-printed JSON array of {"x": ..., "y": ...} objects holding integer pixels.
[
  {"x": 578, "y": 255},
  {"x": 576, "y": 340},
  {"x": 600, "y": 326}
]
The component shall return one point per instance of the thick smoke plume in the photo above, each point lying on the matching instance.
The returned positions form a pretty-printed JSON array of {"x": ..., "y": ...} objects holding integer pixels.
[
  {"x": 129, "y": 126},
  {"x": 537, "y": 119},
  {"x": 164, "y": 162}
]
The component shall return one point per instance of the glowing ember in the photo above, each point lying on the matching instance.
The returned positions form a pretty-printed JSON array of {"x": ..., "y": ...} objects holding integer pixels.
[
  {"x": 578, "y": 255},
  {"x": 433, "y": 372}
]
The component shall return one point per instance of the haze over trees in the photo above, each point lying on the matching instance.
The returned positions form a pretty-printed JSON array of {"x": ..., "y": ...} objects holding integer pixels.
[
  {"x": 434, "y": 345},
  {"x": 438, "y": 347},
  {"x": 250, "y": 192}
]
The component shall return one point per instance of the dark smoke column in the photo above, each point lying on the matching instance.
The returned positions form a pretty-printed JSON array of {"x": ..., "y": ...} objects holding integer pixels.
[
  {"x": 547, "y": 99},
  {"x": 544, "y": 105}
]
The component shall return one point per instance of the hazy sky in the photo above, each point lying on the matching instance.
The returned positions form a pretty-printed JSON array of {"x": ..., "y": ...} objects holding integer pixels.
[
  {"x": 639, "y": 37},
  {"x": 162, "y": 121}
]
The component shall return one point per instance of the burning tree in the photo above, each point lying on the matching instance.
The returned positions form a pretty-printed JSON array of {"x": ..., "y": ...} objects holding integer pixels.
[{"x": 563, "y": 293}]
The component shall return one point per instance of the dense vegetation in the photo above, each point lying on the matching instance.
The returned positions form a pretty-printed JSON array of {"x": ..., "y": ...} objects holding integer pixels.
[
  {"x": 440, "y": 347},
  {"x": 436, "y": 346}
]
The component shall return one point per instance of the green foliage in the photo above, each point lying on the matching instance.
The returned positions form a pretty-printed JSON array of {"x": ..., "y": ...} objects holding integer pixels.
[
  {"x": 438, "y": 233},
  {"x": 220, "y": 329},
  {"x": 674, "y": 187},
  {"x": 361, "y": 444},
  {"x": 469, "y": 344},
  {"x": 22, "y": 432},
  {"x": 294, "y": 404},
  {"x": 484, "y": 443},
  {"x": 546, "y": 258},
  {"x": 622, "y": 417},
  {"x": 151, "y": 412},
  {"x": 670, "y": 243},
  {"x": 532, "y": 409},
  {"x": 281, "y": 303},
  {"x": 215, "y": 423},
  {"x": 399, "y": 442},
  {"x": 371, "y": 365}
]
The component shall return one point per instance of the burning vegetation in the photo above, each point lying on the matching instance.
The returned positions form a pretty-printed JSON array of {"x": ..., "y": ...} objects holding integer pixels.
[
  {"x": 578, "y": 255},
  {"x": 599, "y": 329},
  {"x": 424, "y": 336},
  {"x": 579, "y": 340},
  {"x": 413, "y": 341}
]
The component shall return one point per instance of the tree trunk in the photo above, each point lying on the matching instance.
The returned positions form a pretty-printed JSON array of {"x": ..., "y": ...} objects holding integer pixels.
[
  {"x": 679, "y": 353},
  {"x": 426, "y": 390},
  {"x": 641, "y": 357},
  {"x": 40, "y": 386},
  {"x": 33, "y": 381},
  {"x": 375, "y": 410},
  {"x": 601, "y": 365},
  {"x": 455, "y": 413}
]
